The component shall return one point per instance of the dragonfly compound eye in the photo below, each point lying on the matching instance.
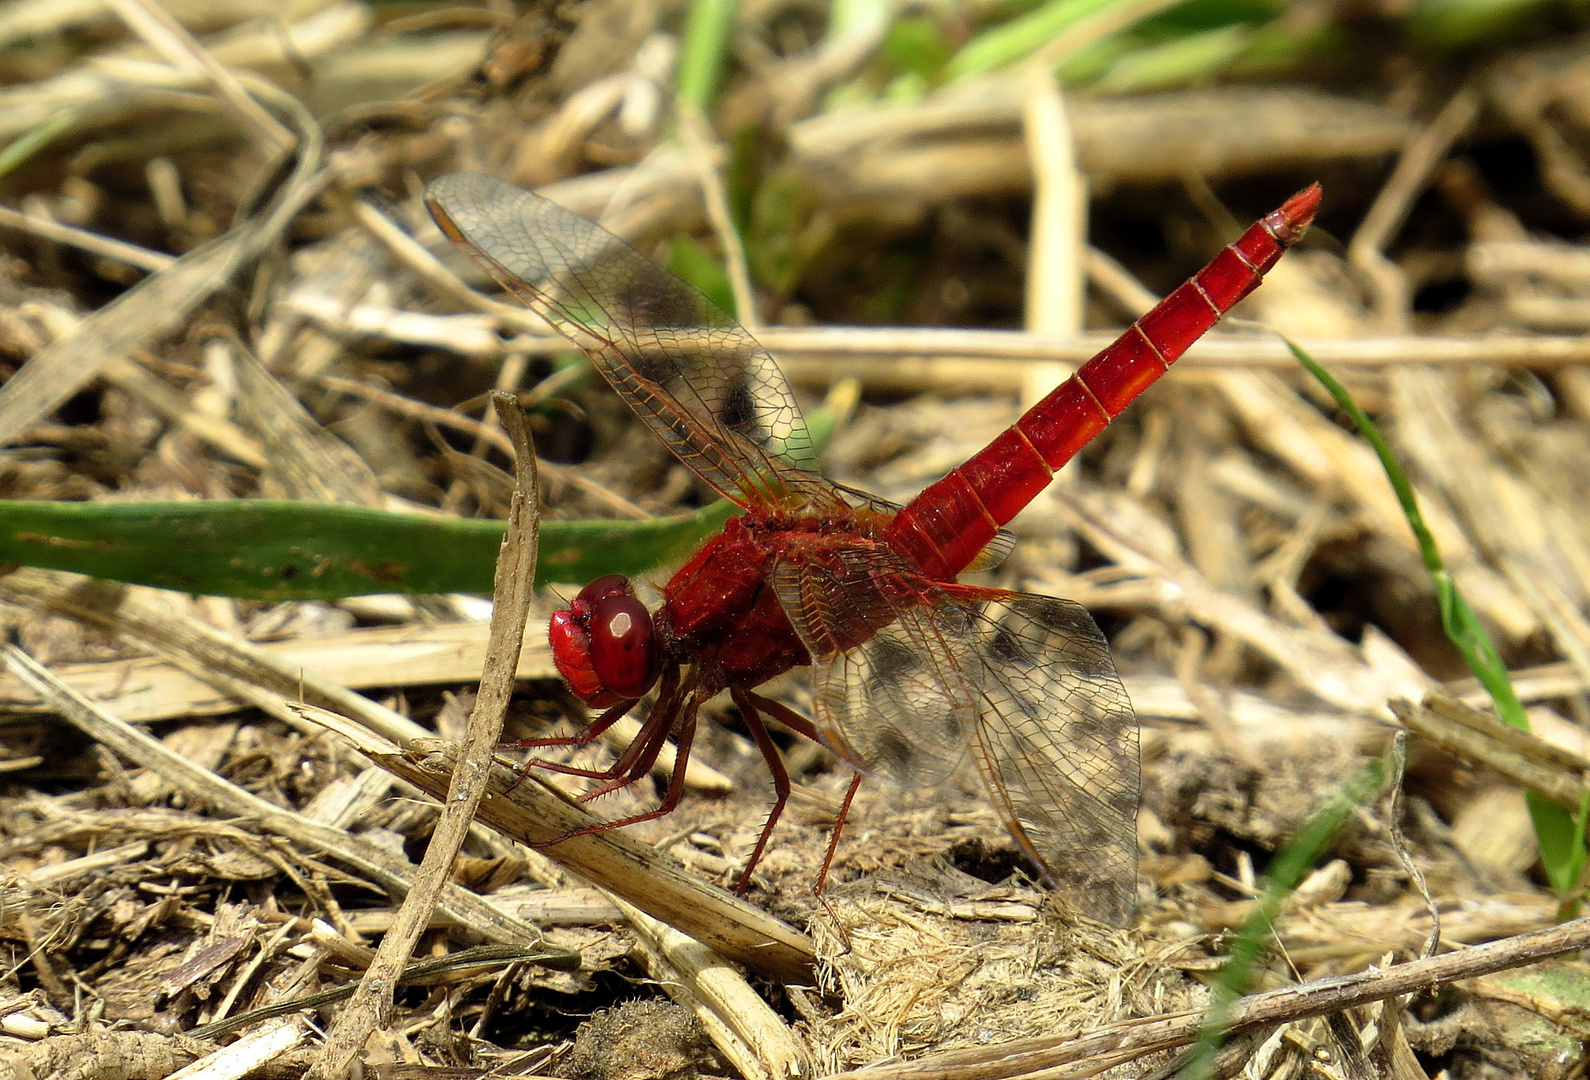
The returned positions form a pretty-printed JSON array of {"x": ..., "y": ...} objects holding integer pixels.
[
  {"x": 603, "y": 587},
  {"x": 625, "y": 653},
  {"x": 571, "y": 652}
]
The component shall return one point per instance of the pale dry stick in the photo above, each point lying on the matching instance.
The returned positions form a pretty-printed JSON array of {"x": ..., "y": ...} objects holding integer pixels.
[
  {"x": 964, "y": 141},
  {"x": 903, "y": 358},
  {"x": 418, "y": 410},
  {"x": 1479, "y": 736},
  {"x": 162, "y": 300},
  {"x": 108, "y": 1053},
  {"x": 306, "y": 461},
  {"x": 252, "y": 1052},
  {"x": 110, "y": 89},
  {"x": 1055, "y": 283},
  {"x": 1280, "y": 422},
  {"x": 474, "y": 335},
  {"x": 171, "y": 40},
  {"x": 703, "y": 151},
  {"x": 1330, "y": 668},
  {"x": 60, "y": 874},
  {"x": 942, "y": 358},
  {"x": 844, "y": 51},
  {"x": 1501, "y": 261},
  {"x": 203, "y": 672},
  {"x": 1117, "y": 282},
  {"x": 556, "y": 148},
  {"x": 1090, "y": 1052},
  {"x": 526, "y": 809},
  {"x": 156, "y": 394},
  {"x": 391, "y": 872},
  {"x": 1392, "y": 300},
  {"x": 755, "y": 1039},
  {"x": 1399, "y": 844},
  {"x": 105, "y": 247},
  {"x": 244, "y": 974},
  {"x": 371, "y": 1006},
  {"x": 165, "y": 187},
  {"x": 1563, "y": 315},
  {"x": 1056, "y": 287},
  {"x": 236, "y": 667}
]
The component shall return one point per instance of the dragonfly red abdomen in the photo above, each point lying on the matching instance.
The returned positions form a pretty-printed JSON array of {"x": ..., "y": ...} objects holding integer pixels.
[{"x": 945, "y": 528}]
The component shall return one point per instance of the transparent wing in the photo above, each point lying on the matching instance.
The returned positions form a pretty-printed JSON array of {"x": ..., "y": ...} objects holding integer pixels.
[
  {"x": 1057, "y": 742},
  {"x": 699, "y": 379},
  {"x": 911, "y": 674},
  {"x": 994, "y": 553},
  {"x": 890, "y": 692}
]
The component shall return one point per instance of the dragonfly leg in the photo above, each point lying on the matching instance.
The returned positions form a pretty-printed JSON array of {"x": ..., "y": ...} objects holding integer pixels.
[
  {"x": 828, "y": 859},
  {"x": 584, "y": 736},
  {"x": 833, "y": 838},
  {"x": 788, "y": 717},
  {"x": 750, "y": 704},
  {"x": 676, "y": 783},
  {"x": 624, "y": 762},
  {"x": 639, "y": 757}
]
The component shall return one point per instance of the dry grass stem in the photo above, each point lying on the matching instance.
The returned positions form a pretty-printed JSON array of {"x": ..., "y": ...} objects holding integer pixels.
[{"x": 371, "y": 1006}]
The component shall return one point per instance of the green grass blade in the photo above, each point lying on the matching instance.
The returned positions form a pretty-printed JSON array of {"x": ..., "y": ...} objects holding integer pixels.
[
  {"x": 1009, "y": 42},
  {"x": 25, "y": 146},
  {"x": 709, "y": 26},
  {"x": 1560, "y": 836},
  {"x": 259, "y": 549},
  {"x": 1281, "y": 878}
]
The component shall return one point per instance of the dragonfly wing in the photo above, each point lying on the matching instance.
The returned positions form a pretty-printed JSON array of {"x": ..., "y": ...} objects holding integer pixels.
[
  {"x": 1057, "y": 742},
  {"x": 910, "y": 674},
  {"x": 696, "y": 376},
  {"x": 994, "y": 553},
  {"x": 890, "y": 689}
]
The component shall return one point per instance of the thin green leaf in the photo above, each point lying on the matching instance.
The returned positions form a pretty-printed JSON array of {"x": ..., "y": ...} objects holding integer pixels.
[
  {"x": 1009, "y": 42},
  {"x": 35, "y": 140},
  {"x": 708, "y": 30},
  {"x": 261, "y": 549},
  {"x": 1281, "y": 878},
  {"x": 701, "y": 268},
  {"x": 1560, "y": 836},
  {"x": 1175, "y": 63}
]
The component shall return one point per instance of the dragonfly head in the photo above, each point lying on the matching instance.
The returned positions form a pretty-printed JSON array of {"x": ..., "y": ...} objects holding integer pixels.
[{"x": 605, "y": 645}]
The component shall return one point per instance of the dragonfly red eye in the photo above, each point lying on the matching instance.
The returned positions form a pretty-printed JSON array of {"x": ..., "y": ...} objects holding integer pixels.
[
  {"x": 571, "y": 652},
  {"x": 624, "y": 647},
  {"x": 605, "y": 586}
]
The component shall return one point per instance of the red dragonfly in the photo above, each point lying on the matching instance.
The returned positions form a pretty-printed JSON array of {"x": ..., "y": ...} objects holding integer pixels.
[{"x": 911, "y": 670}]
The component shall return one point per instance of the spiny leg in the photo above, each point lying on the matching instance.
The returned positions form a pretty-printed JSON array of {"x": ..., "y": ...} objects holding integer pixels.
[
  {"x": 788, "y": 717},
  {"x": 655, "y": 727},
  {"x": 828, "y": 859},
  {"x": 586, "y": 735},
  {"x": 638, "y": 759},
  {"x": 749, "y": 704},
  {"x": 676, "y": 783},
  {"x": 802, "y": 726}
]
